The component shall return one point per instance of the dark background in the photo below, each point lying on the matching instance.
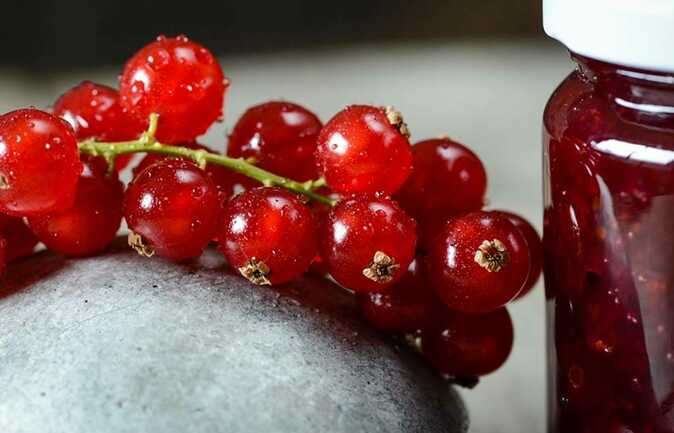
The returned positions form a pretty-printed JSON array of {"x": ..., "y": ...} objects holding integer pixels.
[{"x": 73, "y": 33}]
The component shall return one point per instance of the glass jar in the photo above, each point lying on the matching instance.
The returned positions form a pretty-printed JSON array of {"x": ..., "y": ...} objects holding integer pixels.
[
  {"x": 609, "y": 249},
  {"x": 609, "y": 218}
]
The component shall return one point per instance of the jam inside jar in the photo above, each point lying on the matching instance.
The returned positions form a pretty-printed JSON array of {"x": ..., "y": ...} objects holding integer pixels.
[{"x": 609, "y": 250}]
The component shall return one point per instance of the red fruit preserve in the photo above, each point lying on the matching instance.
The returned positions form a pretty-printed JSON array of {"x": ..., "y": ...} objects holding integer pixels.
[{"x": 609, "y": 223}]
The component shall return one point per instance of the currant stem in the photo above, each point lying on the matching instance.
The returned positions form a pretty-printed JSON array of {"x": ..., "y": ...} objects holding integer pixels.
[{"x": 147, "y": 143}]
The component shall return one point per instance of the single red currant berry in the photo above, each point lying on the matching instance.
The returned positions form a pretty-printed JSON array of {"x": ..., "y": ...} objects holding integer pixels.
[
  {"x": 281, "y": 136},
  {"x": 448, "y": 180},
  {"x": 91, "y": 224},
  {"x": 171, "y": 209},
  {"x": 179, "y": 80},
  {"x": 94, "y": 111},
  {"x": 463, "y": 346},
  {"x": 269, "y": 235},
  {"x": 20, "y": 239},
  {"x": 39, "y": 163},
  {"x": 364, "y": 149},
  {"x": 367, "y": 242},
  {"x": 226, "y": 181},
  {"x": 535, "y": 249},
  {"x": 406, "y": 306},
  {"x": 479, "y": 262}
]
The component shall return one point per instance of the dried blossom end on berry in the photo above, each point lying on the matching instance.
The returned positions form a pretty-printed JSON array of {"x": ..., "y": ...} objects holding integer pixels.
[
  {"x": 137, "y": 243},
  {"x": 256, "y": 272},
  {"x": 395, "y": 118},
  {"x": 492, "y": 255},
  {"x": 381, "y": 269}
]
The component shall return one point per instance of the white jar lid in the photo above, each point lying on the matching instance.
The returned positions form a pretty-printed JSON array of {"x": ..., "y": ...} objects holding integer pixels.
[{"x": 636, "y": 33}]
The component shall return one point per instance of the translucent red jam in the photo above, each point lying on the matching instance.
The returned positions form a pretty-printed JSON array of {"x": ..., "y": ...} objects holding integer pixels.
[{"x": 609, "y": 250}]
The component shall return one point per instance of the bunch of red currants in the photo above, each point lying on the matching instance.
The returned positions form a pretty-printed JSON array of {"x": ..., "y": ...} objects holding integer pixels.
[{"x": 399, "y": 225}]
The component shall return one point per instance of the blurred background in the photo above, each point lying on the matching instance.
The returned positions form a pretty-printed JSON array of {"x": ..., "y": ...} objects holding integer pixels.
[
  {"x": 479, "y": 71},
  {"x": 75, "y": 33}
]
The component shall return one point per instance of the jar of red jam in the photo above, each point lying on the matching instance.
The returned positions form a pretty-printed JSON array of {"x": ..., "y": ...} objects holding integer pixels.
[{"x": 609, "y": 218}]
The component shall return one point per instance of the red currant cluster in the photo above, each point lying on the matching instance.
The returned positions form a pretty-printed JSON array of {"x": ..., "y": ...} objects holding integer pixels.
[{"x": 347, "y": 198}]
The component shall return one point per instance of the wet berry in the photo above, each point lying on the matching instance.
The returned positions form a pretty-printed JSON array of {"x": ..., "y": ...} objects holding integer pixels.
[
  {"x": 179, "y": 80},
  {"x": 404, "y": 307},
  {"x": 367, "y": 242},
  {"x": 94, "y": 111},
  {"x": 364, "y": 149},
  {"x": 171, "y": 209},
  {"x": 91, "y": 224},
  {"x": 463, "y": 346},
  {"x": 269, "y": 235},
  {"x": 479, "y": 262},
  {"x": 535, "y": 249},
  {"x": 281, "y": 136},
  {"x": 448, "y": 180},
  {"x": 39, "y": 163},
  {"x": 20, "y": 239}
]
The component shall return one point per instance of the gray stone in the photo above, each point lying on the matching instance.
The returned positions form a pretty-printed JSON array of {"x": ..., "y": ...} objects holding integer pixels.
[{"x": 119, "y": 343}]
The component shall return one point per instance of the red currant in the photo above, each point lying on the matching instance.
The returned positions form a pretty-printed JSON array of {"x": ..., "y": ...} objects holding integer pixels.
[
  {"x": 227, "y": 181},
  {"x": 367, "y": 242},
  {"x": 281, "y": 136},
  {"x": 179, "y": 80},
  {"x": 20, "y": 239},
  {"x": 535, "y": 249},
  {"x": 269, "y": 235},
  {"x": 448, "y": 180},
  {"x": 171, "y": 209},
  {"x": 404, "y": 307},
  {"x": 94, "y": 111},
  {"x": 39, "y": 163},
  {"x": 364, "y": 149},
  {"x": 479, "y": 262},
  {"x": 92, "y": 222},
  {"x": 464, "y": 346}
]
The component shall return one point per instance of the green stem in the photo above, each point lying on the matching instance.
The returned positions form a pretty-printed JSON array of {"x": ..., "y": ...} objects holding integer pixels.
[{"x": 146, "y": 143}]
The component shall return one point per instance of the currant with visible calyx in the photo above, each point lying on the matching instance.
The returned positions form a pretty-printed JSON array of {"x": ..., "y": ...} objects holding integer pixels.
[
  {"x": 269, "y": 235},
  {"x": 479, "y": 262},
  {"x": 364, "y": 149},
  {"x": 367, "y": 242},
  {"x": 171, "y": 209}
]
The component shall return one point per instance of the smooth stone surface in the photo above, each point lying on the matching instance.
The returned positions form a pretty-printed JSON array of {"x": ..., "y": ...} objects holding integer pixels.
[{"x": 119, "y": 343}]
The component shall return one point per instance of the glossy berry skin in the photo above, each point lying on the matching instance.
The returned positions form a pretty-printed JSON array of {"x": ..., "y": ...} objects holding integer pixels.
[
  {"x": 535, "y": 249},
  {"x": 479, "y": 262},
  {"x": 404, "y": 307},
  {"x": 94, "y": 111},
  {"x": 463, "y": 346},
  {"x": 360, "y": 151},
  {"x": 91, "y": 224},
  {"x": 269, "y": 235},
  {"x": 448, "y": 180},
  {"x": 281, "y": 136},
  {"x": 20, "y": 239},
  {"x": 39, "y": 163},
  {"x": 179, "y": 80},
  {"x": 173, "y": 206},
  {"x": 367, "y": 234},
  {"x": 226, "y": 181}
]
